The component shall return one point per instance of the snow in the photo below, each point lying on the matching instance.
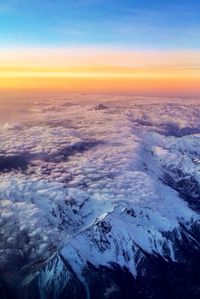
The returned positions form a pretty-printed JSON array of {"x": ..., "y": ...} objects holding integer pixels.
[{"x": 92, "y": 187}]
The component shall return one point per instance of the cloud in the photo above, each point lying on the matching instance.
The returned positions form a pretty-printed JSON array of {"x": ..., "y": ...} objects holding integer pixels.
[
  {"x": 89, "y": 172},
  {"x": 25, "y": 234}
]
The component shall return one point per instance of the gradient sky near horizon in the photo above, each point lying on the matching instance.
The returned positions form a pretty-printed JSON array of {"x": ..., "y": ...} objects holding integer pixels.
[{"x": 137, "y": 46}]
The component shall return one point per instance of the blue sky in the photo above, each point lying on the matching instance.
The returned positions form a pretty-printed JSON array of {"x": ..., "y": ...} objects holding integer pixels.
[{"x": 136, "y": 24}]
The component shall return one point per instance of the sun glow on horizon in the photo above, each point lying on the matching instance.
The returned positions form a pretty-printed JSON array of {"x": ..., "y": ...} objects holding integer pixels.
[{"x": 100, "y": 70}]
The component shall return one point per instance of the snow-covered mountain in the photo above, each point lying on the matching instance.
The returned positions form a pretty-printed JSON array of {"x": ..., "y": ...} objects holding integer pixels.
[{"x": 101, "y": 202}]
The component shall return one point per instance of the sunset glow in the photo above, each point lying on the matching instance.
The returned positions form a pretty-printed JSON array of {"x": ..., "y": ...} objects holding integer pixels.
[
  {"x": 98, "y": 70},
  {"x": 99, "y": 149}
]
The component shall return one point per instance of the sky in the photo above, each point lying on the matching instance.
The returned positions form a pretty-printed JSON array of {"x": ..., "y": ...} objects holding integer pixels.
[{"x": 137, "y": 46}]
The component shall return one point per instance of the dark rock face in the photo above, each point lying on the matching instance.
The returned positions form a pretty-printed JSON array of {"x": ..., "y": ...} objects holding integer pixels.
[
  {"x": 157, "y": 279},
  {"x": 103, "y": 222},
  {"x": 101, "y": 107},
  {"x": 188, "y": 188}
]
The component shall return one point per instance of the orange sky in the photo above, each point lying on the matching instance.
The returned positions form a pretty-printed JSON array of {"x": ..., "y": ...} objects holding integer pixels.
[{"x": 100, "y": 70}]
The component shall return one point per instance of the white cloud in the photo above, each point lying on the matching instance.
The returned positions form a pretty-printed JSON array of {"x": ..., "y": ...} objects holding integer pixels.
[{"x": 85, "y": 166}]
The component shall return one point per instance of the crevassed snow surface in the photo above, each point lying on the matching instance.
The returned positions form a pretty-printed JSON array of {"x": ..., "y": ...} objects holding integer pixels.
[{"x": 94, "y": 182}]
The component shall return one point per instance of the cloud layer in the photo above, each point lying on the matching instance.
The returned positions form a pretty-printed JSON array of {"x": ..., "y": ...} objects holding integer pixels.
[{"x": 72, "y": 165}]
